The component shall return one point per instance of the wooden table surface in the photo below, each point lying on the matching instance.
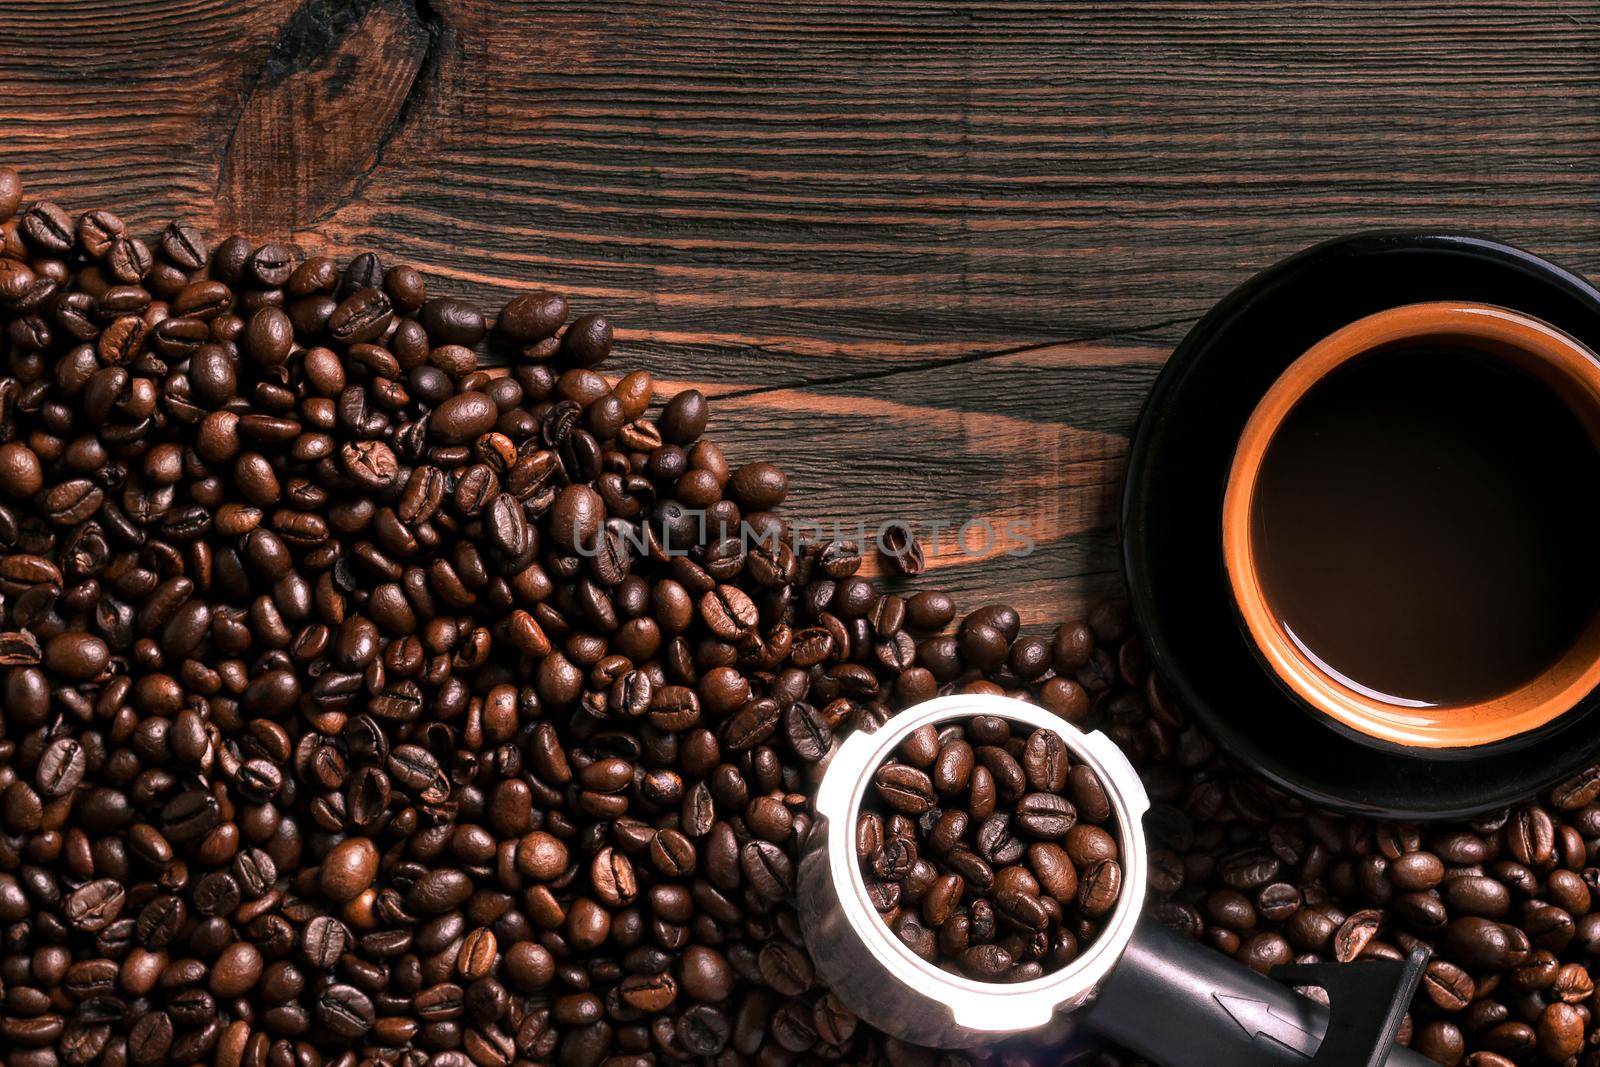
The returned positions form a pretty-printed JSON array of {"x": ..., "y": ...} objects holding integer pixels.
[{"x": 932, "y": 254}]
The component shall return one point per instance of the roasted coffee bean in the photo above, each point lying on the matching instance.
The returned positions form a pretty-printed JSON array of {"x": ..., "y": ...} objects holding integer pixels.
[
  {"x": 237, "y": 970},
  {"x": 96, "y": 905},
  {"x": 1044, "y": 760},
  {"x": 1099, "y": 887},
  {"x": 807, "y": 731},
  {"x": 150, "y": 1037},
  {"x": 451, "y": 321},
  {"x": 728, "y": 612},
  {"x": 684, "y": 418},
  {"x": 986, "y": 962},
  {"x": 1045, "y": 815},
  {"x": 61, "y": 768},
  {"x": 349, "y": 868},
  {"x": 324, "y": 940},
  {"x": 48, "y": 228},
  {"x": 1416, "y": 871},
  {"x": 1560, "y": 1032},
  {"x": 1448, "y": 986},
  {"x": 363, "y": 316},
  {"x": 905, "y": 789},
  {"x": 768, "y": 869},
  {"x": 464, "y": 417},
  {"x": 77, "y": 656},
  {"x": 1484, "y": 944},
  {"x": 532, "y": 317},
  {"x": 703, "y": 1030},
  {"x": 995, "y": 842},
  {"x": 345, "y": 1011},
  {"x": 586, "y": 342},
  {"x": 183, "y": 246}
]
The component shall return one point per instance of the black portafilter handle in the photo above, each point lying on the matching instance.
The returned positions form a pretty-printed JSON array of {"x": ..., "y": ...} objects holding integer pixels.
[{"x": 1181, "y": 1004}]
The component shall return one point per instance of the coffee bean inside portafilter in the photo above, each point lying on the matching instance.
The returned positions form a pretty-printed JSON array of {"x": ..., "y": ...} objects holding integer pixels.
[{"x": 988, "y": 851}]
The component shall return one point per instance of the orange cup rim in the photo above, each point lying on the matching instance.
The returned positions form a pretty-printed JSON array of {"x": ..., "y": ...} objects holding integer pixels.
[{"x": 1567, "y": 366}]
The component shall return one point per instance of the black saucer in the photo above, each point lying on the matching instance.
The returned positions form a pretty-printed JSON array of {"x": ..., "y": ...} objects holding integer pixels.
[{"x": 1171, "y": 524}]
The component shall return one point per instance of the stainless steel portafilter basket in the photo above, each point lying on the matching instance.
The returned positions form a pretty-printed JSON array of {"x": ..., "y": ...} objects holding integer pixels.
[
  {"x": 881, "y": 979},
  {"x": 1164, "y": 997}
]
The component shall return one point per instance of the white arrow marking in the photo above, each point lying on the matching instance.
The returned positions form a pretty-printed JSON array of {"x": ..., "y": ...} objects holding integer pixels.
[{"x": 1257, "y": 1017}]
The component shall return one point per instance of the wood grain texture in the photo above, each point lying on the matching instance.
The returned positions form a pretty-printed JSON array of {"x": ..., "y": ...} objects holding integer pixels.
[{"x": 933, "y": 253}]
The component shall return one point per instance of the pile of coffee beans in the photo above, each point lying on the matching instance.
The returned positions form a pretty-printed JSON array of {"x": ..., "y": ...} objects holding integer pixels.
[
  {"x": 362, "y": 702},
  {"x": 365, "y": 702},
  {"x": 986, "y": 850}
]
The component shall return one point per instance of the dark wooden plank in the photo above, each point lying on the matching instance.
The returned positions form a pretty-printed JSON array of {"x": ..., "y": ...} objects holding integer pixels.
[
  {"x": 300, "y": 147},
  {"x": 825, "y": 185},
  {"x": 843, "y": 215}
]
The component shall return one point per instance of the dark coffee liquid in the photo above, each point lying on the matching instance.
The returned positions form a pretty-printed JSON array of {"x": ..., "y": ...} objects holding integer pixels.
[{"x": 1426, "y": 527}]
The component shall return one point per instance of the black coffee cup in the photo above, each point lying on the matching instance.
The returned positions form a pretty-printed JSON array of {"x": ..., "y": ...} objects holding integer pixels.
[{"x": 1209, "y": 664}]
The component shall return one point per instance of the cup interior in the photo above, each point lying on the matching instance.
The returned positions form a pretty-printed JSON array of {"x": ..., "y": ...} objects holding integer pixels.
[{"x": 1568, "y": 369}]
